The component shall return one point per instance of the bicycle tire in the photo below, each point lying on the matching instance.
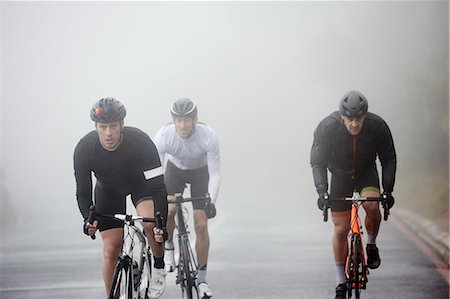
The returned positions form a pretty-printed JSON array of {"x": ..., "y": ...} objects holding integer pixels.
[
  {"x": 350, "y": 270},
  {"x": 187, "y": 271},
  {"x": 122, "y": 287},
  {"x": 354, "y": 266},
  {"x": 144, "y": 285},
  {"x": 358, "y": 264}
]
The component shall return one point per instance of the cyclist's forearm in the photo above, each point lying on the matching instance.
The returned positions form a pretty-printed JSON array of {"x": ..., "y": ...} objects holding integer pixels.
[
  {"x": 83, "y": 180},
  {"x": 214, "y": 178},
  {"x": 84, "y": 196},
  {"x": 389, "y": 168},
  {"x": 388, "y": 177},
  {"x": 84, "y": 205},
  {"x": 320, "y": 179},
  {"x": 213, "y": 188},
  {"x": 388, "y": 158}
]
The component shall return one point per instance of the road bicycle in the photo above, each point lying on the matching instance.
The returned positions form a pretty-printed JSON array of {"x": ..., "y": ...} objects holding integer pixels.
[
  {"x": 187, "y": 266},
  {"x": 356, "y": 269},
  {"x": 131, "y": 279}
]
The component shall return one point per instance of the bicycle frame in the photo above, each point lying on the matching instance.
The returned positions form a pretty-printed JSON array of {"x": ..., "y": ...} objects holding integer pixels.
[
  {"x": 131, "y": 278},
  {"x": 356, "y": 269},
  {"x": 134, "y": 243},
  {"x": 187, "y": 263}
]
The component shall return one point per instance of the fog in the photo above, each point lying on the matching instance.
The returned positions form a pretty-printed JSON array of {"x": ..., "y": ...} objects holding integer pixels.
[{"x": 262, "y": 73}]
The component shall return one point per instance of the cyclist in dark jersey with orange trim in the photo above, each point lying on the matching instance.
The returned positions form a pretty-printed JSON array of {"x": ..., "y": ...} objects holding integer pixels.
[
  {"x": 124, "y": 161},
  {"x": 347, "y": 143}
]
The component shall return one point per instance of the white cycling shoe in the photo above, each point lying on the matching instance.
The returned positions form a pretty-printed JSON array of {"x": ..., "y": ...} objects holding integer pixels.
[
  {"x": 157, "y": 283},
  {"x": 169, "y": 259},
  {"x": 204, "y": 291}
]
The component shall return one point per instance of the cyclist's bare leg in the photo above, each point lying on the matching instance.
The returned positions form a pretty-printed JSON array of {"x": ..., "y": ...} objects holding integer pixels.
[
  {"x": 112, "y": 246},
  {"x": 172, "y": 209},
  {"x": 373, "y": 214},
  {"x": 146, "y": 209},
  {"x": 202, "y": 236},
  {"x": 341, "y": 222}
]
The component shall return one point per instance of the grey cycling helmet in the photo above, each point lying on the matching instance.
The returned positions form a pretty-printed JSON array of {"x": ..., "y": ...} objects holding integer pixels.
[
  {"x": 108, "y": 110},
  {"x": 184, "y": 108},
  {"x": 353, "y": 104}
]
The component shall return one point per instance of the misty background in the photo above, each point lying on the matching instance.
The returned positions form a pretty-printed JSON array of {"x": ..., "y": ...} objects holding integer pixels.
[{"x": 262, "y": 73}]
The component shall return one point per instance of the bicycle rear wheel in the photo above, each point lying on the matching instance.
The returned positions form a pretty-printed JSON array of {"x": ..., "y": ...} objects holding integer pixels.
[
  {"x": 187, "y": 270},
  {"x": 122, "y": 287}
]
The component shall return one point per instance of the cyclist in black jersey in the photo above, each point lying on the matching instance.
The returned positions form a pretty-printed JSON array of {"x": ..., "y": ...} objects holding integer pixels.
[
  {"x": 125, "y": 162},
  {"x": 347, "y": 143}
]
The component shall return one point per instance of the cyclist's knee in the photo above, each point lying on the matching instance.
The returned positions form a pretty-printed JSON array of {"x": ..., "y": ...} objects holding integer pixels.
[
  {"x": 372, "y": 209},
  {"x": 148, "y": 227},
  {"x": 341, "y": 228},
  {"x": 112, "y": 243},
  {"x": 201, "y": 227},
  {"x": 341, "y": 232},
  {"x": 171, "y": 211},
  {"x": 341, "y": 221},
  {"x": 111, "y": 252}
]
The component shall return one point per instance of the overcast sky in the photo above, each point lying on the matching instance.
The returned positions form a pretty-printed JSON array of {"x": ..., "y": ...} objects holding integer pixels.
[{"x": 262, "y": 73}]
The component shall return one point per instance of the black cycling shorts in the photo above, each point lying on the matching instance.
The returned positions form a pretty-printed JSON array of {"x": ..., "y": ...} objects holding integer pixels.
[
  {"x": 176, "y": 180},
  {"x": 109, "y": 202},
  {"x": 344, "y": 186}
]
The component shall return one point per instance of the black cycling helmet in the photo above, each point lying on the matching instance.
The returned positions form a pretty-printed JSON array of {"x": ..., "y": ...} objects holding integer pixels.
[
  {"x": 353, "y": 104},
  {"x": 184, "y": 108},
  {"x": 108, "y": 110}
]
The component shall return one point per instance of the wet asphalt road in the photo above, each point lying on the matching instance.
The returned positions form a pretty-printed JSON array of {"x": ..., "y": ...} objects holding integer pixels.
[{"x": 264, "y": 249}]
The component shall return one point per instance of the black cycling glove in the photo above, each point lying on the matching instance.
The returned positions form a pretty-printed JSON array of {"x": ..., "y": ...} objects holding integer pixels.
[
  {"x": 321, "y": 201},
  {"x": 389, "y": 199},
  {"x": 210, "y": 210},
  {"x": 85, "y": 227},
  {"x": 165, "y": 234}
]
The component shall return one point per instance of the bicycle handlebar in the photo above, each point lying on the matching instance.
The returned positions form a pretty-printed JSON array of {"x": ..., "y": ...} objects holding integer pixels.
[
  {"x": 355, "y": 200},
  {"x": 131, "y": 218},
  {"x": 158, "y": 219},
  {"x": 180, "y": 199}
]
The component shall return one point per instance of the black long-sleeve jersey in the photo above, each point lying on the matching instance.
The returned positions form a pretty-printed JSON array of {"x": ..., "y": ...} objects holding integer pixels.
[
  {"x": 134, "y": 162},
  {"x": 335, "y": 149}
]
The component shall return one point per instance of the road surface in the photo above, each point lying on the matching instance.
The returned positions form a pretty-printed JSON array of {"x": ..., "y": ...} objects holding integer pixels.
[{"x": 260, "y": 248}]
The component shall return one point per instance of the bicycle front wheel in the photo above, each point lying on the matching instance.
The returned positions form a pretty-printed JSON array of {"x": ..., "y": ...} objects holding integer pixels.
[
  {"x": 187, "y": 271},
  {"x": 122, "y": 287},
  {"x": 146, "y": 274}
]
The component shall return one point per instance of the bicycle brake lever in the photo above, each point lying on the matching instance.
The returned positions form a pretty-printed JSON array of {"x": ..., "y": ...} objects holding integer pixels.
[
  {"x": 325, "y": 213},
  {"x": 159, "y": 220},
  {"x": 91, "y": 218},
  {"x": 325, "y": 209},
  {"x": 386, "y": 211},
  {"x": 385, "y": 207}
]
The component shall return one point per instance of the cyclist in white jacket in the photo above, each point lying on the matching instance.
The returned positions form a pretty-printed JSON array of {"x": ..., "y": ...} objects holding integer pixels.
[{"x": 193, "y": 157}]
